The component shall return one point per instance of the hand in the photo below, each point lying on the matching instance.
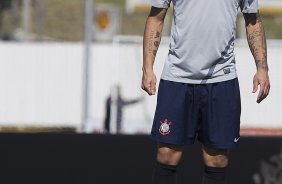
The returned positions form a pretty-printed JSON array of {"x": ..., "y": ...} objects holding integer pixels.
[
  {"x": 261, "y": 79},
  {"x": 149, "y": 82}
]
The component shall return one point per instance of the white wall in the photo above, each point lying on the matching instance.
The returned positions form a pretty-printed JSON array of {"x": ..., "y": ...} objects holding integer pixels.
[
  {"x": 40, "y": 84},
  {"x": 268, "y": 113}
]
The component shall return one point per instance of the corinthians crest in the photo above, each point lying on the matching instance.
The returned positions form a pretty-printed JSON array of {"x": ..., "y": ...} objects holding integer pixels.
[
  {"x": 270, "y": 172},
  {"x": 165, "y": 127}
]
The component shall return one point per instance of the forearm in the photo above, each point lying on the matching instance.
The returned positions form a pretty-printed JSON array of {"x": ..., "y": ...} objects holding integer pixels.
[
  {"x": 256, "y": 40},
  {"x": 152, "y": 38}
]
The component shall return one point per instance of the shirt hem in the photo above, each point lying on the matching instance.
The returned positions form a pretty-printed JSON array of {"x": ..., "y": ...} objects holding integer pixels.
[
  {"x": 159, "y": 5},
  {"x": 208, "y": 81},
  {"x": 250, "y": 11}
]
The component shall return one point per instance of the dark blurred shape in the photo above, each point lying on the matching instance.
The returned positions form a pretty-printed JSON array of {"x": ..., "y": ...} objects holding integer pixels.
[
  {"x": 7, "y": 37},
  {"x": 4, "y": 4},
  {"x": 120, "y": 103}
]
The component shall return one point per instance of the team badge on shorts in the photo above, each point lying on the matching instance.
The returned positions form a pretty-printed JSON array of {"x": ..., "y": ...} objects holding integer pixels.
[{"x": 165, "y": 127}]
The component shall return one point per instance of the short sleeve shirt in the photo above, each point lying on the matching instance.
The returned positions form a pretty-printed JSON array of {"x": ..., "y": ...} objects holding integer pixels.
[{"x": 202, "y": 39}]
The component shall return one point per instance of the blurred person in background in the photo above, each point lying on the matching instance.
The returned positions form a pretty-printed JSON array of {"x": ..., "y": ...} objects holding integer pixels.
[
  {"x": 119, "y": 103},
  {"x": 199, "y": 96}
]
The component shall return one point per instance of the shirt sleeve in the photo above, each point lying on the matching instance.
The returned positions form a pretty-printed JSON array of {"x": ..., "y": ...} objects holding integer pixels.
[
  {"x": 160, "y": 3},
  {"x": 249, "y": 6}
]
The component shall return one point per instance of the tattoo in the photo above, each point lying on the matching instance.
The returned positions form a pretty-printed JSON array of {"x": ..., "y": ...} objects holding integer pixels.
[
  {"x": 256, "y": 39},
  {"x": 158, "y": 34},
  {"x": 262, "y": 65},
  {"x": 152, "y": 36},
  {"x": 150, "y": 46},
  {"x": 154, "y": 43},
  {"x": 155, "y": 52},
  {"x": 157, "y": 43}
]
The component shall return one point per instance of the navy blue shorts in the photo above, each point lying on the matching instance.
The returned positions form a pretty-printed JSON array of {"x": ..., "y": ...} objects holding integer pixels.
[{"x": 207, "y": 112}]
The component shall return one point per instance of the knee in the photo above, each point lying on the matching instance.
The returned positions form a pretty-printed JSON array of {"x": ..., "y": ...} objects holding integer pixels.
[
  {"x": 216, "y": 158},
  {"x": 165, "y": 155},
  {"x": 217, "y": 161},
  {"x": 169, "y": 155}
]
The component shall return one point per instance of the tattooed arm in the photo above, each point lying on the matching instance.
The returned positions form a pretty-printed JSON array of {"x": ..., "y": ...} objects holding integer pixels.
[
  {"x": 257, "y": 44},
  {"x": 151, "y": 42}
]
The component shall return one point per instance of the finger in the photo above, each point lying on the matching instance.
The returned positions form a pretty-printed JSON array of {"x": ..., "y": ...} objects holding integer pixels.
[
  {"x": 261, "y": 98},
  {"x": 149, "y": 89},
  {"x": 153, "y": 89},
  {"x": 261, "y": 93},
  {"x": 255, "y": 85},
  {"x": 145, "y": 88},
  {"x": 266, "y": 91}
]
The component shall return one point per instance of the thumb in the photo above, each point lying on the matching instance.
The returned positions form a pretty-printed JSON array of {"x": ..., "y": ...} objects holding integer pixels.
[{"x": 255, "y": 85}]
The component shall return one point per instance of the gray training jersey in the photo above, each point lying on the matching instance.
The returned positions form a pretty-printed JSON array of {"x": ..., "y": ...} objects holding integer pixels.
[{"x": 202, "y": 39}]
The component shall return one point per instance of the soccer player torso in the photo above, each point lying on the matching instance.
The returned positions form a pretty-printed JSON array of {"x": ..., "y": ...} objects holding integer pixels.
[{"x": 202, "y": 41}]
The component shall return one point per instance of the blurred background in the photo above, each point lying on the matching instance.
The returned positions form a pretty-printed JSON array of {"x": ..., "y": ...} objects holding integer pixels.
[
  {"x": 74, "y": 66},
  {"x": 71, "y": 66}
]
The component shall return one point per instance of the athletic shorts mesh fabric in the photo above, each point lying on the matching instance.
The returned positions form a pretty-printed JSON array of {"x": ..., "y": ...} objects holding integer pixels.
[
  {"x": 202, "y": 40},
  {"x": 207, "y": 112}
]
